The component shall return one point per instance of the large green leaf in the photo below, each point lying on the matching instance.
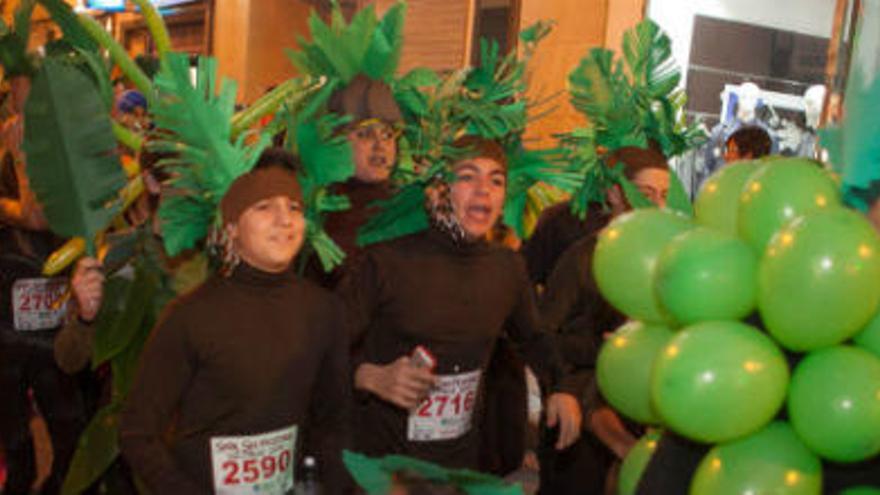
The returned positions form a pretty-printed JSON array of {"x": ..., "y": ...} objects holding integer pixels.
[
  {"x": 72, "y": 161},
  {"x": 129, "y": 303},
  {"x": 97, "y": 449}
]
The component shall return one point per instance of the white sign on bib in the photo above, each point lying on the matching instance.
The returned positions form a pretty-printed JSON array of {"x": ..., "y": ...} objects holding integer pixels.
[
  {"x": 446, "y": 413},
  {"x": 36, "y": 303},
  {"x": 261, "y": 463}
]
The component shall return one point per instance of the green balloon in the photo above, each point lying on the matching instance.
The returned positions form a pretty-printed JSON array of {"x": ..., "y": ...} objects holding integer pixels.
[
  {"x": 636, "y": 461},
  {"x": 720, "y": 380},
  {"x": 834, "y": 403},
  {"x": 717, "y": 202},
  {"x": 869, "y": 337},
  {"x": 623, "y": 368},
  {"x": 819, "y": 281},
  {"x": 626, "y": 256},
  {"x": 773, "y": 460},
  {"x": 706, "y": 275},
  {"x": 779, "y": 192}
]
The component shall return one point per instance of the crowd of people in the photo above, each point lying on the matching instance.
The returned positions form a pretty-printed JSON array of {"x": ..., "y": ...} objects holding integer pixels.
[{"x": 417, "y": 346}]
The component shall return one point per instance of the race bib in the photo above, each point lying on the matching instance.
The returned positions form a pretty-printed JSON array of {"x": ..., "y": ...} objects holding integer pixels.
[
  {"x": 37, "y": 303},
  {"x": 260, "y": 463},
  {"x": 446, "y": 413}
]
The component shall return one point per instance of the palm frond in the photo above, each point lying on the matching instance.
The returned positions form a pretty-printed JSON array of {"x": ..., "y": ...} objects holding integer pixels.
[
  {"x": 72, "y": 161},
  {"x": 342, "y": 50},
  {"x": 647, "y": 51},
  {"x": 199, "y": 122}
]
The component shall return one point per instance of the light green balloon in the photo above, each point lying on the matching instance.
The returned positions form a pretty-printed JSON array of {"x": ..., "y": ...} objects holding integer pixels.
[
  {"x": 720, "y": 380},
  {"x": 834, "y": 403},
  {"x": 706, "y": 275},
  {"x": 819, "y": 281},
  {"x": 623, "y": 368},
  {"x": 773, "y": 460},
  {"x": 779, "y": 192},
  {"x": 636, "y": 461},
  {"x": 869, "y": 337},
  {"x": 717, "y": 203},
  {"x": 626, "y": 256}
]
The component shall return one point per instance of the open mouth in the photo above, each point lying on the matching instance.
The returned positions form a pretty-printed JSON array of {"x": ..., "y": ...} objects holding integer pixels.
[
  {"x": 480, "y": 213},
  {"x": 378, "y": 161}
]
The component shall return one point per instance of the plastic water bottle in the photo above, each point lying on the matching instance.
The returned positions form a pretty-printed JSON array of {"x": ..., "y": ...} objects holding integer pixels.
[{"x": 310, "y": 482}]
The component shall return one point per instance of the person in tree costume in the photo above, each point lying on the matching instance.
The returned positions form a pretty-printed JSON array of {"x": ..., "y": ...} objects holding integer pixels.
[
  {"x": 359, "y": 61},
  {"x": 633, "y": 108},
  {"x": 629, "y": 102},
  {"x": 254, "y": 356},
  {"x": 448, "y": 293}
]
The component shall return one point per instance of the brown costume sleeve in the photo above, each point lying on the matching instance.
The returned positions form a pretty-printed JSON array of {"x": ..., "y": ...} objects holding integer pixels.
[
  {"x": 73, "y": 346},
  {"x": 166, "y": 368}
]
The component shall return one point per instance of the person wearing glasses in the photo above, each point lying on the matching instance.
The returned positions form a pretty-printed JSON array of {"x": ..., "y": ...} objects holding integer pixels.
[{"x": 373, "y": 135}]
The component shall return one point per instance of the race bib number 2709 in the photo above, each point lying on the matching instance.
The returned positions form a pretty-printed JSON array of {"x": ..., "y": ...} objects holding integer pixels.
[
  {"x": 261, "y": 463},
  {"x": 37, "y": 303},
  {"x": 447, "y": 412}
]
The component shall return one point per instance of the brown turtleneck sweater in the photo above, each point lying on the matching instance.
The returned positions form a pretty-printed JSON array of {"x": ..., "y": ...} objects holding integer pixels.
[
  {"x": 455, "y": 300},
  {"x": 244, "y": 355}
]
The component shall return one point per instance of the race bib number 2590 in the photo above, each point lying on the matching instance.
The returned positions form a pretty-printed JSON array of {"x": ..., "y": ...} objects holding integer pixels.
[{"x": 261, "y": 463}]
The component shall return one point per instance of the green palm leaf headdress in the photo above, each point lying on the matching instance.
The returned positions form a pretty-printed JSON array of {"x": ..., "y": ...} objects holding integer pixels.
[
  {"x": 342, "y": 50},
  {"x": 486, "y": 101},
  {"x": 198, "y": 121},
  {"x": 630, "y": 101}
]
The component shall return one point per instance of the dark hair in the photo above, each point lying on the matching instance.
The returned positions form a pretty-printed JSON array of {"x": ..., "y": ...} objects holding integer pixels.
[
  {"x": 277, "y": 156},
  {"x": 751, "y": 141},
  {"x": 480, "y": 147},
  {"x": 636, "y": 159}
]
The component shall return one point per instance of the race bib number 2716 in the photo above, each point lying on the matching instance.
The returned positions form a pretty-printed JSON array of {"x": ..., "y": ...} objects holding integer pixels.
[{"x": 447, "y": 412}]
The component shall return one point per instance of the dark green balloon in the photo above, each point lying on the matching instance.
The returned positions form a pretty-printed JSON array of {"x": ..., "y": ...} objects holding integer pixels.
[
  {"x": 773, "y": 460},
  {"x": 626, "y": 256},
  {"x": 635, "y": 462},
  {"x": 819, "y": 281},
  {"x": 704, "y": 275},
  {"x": 716, "y": 381},
  {"x": 834, "y": 403},
  {"x": 869, "y": 337},
  {"x": 778, "y": 193},
  {"x": 623, "y": 369},
  {"x": 717, "y": 203}
]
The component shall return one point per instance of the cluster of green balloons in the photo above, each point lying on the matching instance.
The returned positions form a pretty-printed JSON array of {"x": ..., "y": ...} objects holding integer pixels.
[{"x": 772, "y": 244}]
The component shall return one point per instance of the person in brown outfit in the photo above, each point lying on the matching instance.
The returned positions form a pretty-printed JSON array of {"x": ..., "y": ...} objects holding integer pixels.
[
  {"x": 240, "y": 368},
  {"x": 427, "y": 310}
]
